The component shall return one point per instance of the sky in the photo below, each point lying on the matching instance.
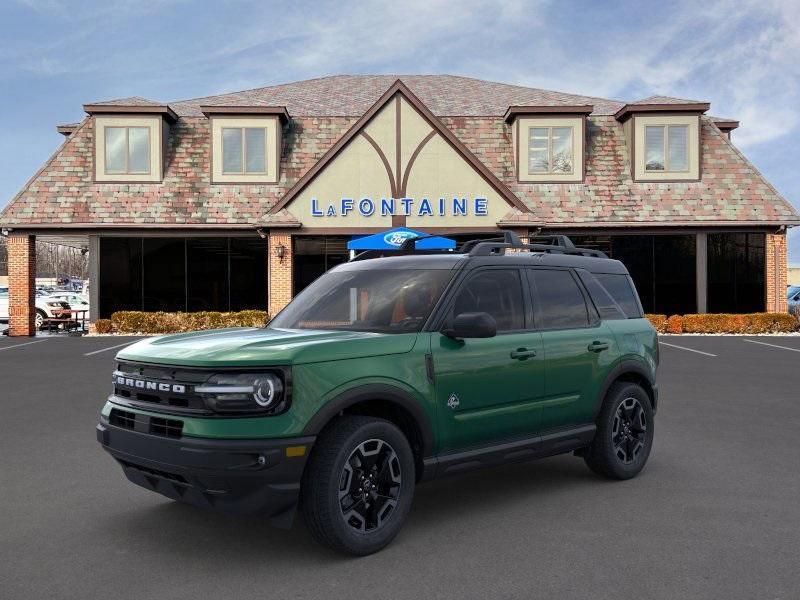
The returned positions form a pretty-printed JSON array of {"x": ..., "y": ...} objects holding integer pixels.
[{"x": 742, "y": 56}]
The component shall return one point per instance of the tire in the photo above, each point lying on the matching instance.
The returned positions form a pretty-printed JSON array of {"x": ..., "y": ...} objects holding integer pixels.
[
  {"x": 39, "y": 318},
  {"x": 624, "y": 435},
  {"x": 359, "y": 519}
]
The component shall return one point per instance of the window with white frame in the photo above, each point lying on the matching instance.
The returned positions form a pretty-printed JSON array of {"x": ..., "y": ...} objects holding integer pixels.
[
  {"x": 244, "y": 150},
  {"x": 127, "y": 150},
  {"x": 550, "y": 150},
  {"x": 666, "y": 148}
]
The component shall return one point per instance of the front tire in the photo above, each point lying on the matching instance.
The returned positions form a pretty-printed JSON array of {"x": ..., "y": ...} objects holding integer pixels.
[
  {"x": 624, "y": 435},
  {"x": 358, "y": 486},
  {"x": 39, "y": 318}
]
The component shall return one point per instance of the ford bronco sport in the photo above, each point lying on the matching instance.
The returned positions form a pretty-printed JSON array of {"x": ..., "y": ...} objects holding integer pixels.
[{"x": 386, "y": 372}]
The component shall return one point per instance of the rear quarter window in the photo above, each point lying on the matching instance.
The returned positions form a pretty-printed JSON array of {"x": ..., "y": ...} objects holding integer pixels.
[
  {"x": 621, "y": 289},
  {"x": 603, "y": 302}
]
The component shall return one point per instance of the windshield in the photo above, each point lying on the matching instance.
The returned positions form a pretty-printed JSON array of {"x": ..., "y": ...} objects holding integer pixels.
[{"x": 381, "y": 301}]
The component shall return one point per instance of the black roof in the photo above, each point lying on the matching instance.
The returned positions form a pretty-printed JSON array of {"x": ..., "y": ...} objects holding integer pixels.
[{"x": 458, "y": 260}]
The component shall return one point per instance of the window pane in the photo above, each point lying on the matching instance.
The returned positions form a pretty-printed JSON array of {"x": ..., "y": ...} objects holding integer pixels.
[
  {"x": 207, "y": 274},
  {"x": 538, "y": 150},
  {"x": 115, "y": 149},
  {"x": 537, "y": 161},
  {"x": 678, "y": 140},
  {"x": 248, "y": 273},
  {"x": 562, "y": 149},
  {"x": 674, "y": 274},
  {"x": 120, "y": 266},
  {"x": 654, "y": 148},
  {"x": 138, "y": 149},
  {"x": 605, "y": 304},
  {"x": 164, "y": 277},
  {"x": 256, "y": 151},
  {"x": 560, "y": 300},
  {"x": 496, "y": 292},
  {"x": 736, "y": 272},
  {"x": 231, "y": 150},
  {"x": 621, "y": 289}
]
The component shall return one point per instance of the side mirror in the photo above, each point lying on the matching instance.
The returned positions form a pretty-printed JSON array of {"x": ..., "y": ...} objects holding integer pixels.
[{"x": 472, "y": 325}]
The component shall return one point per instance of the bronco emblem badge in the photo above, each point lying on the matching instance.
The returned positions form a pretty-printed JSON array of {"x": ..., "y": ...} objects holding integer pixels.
[{"x": 453, "y": 401}]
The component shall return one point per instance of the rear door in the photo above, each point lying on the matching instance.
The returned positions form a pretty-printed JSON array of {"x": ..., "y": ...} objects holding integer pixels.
[
  {"x": 488, "y": 389},
  {"x": 578, "y": 347}
]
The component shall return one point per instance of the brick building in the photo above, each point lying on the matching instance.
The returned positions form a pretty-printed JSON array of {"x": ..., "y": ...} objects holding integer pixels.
[{"x": 240, "y": 200}]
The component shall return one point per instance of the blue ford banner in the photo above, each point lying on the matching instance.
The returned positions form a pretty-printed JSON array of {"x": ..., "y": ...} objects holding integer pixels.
[{"x": 393, "y": 238}]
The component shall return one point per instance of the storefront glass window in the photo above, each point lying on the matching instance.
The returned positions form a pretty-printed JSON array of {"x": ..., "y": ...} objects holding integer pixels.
[{"x": 736, "y": 272}]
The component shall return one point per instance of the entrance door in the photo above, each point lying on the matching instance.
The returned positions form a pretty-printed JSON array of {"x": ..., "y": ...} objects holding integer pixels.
[
  {"x": 487, "y": 389},
  {"x": 578, "y": 348}
]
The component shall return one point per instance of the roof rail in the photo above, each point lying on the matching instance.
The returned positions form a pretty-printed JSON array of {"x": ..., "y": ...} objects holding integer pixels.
[{"x": 562, "y": 245}]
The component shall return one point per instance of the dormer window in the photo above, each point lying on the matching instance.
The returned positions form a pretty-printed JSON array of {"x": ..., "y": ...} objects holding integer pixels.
[
  {"x": 244, "y": 150},
  {"x": 245, "y": 143},
  {"x": 548, "y": 142},
  {"x": 666, "y": 148},
  {"x": 127, "y": 150}
]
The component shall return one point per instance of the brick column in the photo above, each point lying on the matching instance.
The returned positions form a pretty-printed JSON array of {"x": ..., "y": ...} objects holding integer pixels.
[
  {"x": 21, "y": 284},
  {"x": 280, "y": 271},
  {"x": 775, "y": 273}
]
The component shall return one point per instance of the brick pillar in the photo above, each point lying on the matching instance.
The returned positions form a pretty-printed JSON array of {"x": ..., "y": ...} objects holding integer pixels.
[
  {"x": 775, "y": 273},
  {"x": 280, "y": 271},
  {"x": 21, "y": 284}
]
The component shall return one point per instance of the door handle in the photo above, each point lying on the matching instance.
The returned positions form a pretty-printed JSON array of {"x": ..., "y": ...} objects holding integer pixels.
[
  {"x": 522, "y": 353},
  {"x": 598, "y": 346}
]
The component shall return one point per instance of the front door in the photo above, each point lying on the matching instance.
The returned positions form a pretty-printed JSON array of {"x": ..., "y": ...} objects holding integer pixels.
[
  {"x": 487, "y": 389},
  {"x": 578, "y": 348}
]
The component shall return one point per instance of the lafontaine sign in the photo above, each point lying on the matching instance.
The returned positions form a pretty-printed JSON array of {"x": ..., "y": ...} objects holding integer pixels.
[{"x": 422, "y": 207}]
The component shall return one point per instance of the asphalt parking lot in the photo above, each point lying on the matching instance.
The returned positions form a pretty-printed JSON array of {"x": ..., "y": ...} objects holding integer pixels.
[{"x": 715, "y": 514}]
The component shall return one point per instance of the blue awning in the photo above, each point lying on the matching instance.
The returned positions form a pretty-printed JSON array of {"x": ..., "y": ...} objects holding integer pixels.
[{"x": 392, "y": 239}]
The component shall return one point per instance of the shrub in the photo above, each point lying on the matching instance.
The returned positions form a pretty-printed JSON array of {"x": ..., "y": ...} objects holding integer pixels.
[
  {"x": 103, "y": 326},
  {"x": 747, "y": 323},
  {"x": 659, "y": 322},
  {"x": 131, "y": 321},
  {"x": 674, "y": 324}
]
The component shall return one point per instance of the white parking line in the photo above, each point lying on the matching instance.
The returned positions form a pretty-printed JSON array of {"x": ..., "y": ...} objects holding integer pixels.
[
  {"x": 19, "y": 345},
  {"x": 771, "y": 345},
  {"x": 688, "y": 349},
  {"x": 110, "y": 348}
]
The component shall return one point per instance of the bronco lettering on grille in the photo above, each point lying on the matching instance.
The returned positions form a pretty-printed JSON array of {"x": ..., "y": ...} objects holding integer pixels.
[{"x": 143, "y": 384}]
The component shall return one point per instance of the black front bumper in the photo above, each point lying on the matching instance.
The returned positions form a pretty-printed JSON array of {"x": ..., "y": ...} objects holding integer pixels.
[{"x": 245, "y": 477}]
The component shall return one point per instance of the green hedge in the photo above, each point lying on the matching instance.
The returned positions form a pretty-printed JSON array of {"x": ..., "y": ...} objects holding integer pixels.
[
  {"x": 133, "y": 321},
  {"x": 751, "y": 323}
]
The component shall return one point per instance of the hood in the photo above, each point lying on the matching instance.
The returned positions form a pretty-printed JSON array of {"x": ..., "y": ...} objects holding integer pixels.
[{"x": 263, "y": 346}]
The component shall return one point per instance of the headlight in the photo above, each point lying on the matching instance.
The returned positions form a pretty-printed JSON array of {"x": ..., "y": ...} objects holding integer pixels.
[{"x": 243, "y": 392}]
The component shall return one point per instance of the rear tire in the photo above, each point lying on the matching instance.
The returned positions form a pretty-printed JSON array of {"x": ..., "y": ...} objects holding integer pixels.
[
  {"x": 358, "y": 486},
  {"x": 624, "y": 435}
]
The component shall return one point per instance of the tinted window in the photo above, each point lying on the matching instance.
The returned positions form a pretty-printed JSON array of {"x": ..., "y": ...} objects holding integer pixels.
[
  {"x": 560, "y": 300},
  {"x": 496, "y": 292},
  {"x": 382, "y": 301},
  {"x": 605, "y": 304},
  {"x": 621, "y": 290}
]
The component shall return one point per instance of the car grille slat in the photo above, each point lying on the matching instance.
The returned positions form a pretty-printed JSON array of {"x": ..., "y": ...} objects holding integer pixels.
[
  {"x": 166, "y": 398},
  {"x": 125, "y": 419}
]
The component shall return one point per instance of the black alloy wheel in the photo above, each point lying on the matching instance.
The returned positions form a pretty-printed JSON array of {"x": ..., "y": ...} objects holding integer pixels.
[
  {"x": 629, "y": 432},
  {"x": 370, "y": 485}
]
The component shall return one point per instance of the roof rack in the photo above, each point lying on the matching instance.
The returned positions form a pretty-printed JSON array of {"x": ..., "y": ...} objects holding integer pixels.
[{"x": 561, "y": 244}]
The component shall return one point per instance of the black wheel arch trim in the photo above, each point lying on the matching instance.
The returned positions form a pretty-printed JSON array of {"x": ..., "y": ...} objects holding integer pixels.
[
  {"x": 372, "y": 392},
  {"x": 623, "y": 368}
]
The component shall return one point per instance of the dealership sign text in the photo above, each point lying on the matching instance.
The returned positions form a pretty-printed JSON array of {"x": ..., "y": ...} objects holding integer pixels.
[{"x": 423, "y": 207}]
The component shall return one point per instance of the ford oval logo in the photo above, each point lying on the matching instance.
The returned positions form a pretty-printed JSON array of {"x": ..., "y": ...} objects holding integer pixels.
[{"x": 396, "y": 238}]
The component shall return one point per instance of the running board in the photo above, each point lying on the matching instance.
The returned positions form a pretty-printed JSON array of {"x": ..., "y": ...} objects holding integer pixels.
[{"x": 540, "y": 446}]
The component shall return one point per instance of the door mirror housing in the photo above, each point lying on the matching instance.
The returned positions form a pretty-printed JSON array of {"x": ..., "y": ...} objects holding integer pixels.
[{"x": 472, "y": 325}]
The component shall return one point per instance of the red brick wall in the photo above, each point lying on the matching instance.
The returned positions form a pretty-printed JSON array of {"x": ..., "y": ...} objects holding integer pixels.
[
  {"x": 21, "y": 284},
  {"x": 776, "y": 273},
  {"x": 280, "y": 271}
]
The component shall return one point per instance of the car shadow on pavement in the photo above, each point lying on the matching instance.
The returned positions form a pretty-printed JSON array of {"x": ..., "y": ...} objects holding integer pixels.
[{"x": 462, "y": 499}]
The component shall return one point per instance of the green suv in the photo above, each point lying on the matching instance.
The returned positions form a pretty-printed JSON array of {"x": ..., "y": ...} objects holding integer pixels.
[{"x": 386, "y": 372}]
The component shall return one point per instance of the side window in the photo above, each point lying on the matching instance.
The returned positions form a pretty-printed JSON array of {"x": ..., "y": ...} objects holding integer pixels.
[
  {"x": 605, "y": 304},
  {"x": 497, "y": 292},
  {"x": 621, "y": 289},
  {"x": 561, "y": 302}
]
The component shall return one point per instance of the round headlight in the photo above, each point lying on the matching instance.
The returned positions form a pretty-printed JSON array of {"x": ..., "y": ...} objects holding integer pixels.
[{"x": 264, "y": 391}]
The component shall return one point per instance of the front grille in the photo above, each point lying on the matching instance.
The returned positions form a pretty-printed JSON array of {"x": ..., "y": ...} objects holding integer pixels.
[
  {"x": 171, "y": 428},
  {"x": 165, "y": 387},
  {"x": 122, "y": 418}
]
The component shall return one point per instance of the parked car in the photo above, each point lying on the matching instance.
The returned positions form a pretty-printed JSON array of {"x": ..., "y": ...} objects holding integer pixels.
[
  {"x": 47, "y": 307},
  {"x": 793, "y": 297},
  {"x": 76, "y": 301},
  {"x": 387, "y": 372}
]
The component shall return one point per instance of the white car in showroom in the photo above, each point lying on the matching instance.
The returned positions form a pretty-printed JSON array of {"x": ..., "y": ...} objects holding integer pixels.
[{"x": 47, "y": 307}]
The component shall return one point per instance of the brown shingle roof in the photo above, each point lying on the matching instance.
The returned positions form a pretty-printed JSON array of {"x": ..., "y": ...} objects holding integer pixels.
[{"x": 130, "y": 101}]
